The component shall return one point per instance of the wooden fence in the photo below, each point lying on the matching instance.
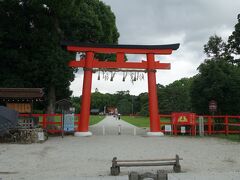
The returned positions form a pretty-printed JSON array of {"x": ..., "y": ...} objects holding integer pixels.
[
  {"x": 51, "y": 122},
  {"x": 212, "y": 124}
]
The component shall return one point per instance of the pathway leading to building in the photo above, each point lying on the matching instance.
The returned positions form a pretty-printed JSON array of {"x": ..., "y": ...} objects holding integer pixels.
[{"x": 111, "y": 125}]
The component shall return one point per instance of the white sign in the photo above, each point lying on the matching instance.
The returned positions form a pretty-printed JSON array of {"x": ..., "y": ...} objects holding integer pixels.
[
  {"x": 41, "y": 136},
  {"x": 68, "y": 122},
  {"x": 183, "y": 129},
  {"x": 168, "y": 128}
]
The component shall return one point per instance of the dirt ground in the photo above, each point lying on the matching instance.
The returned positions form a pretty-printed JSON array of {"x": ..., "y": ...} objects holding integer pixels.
[{"x": 91, "y": 156}]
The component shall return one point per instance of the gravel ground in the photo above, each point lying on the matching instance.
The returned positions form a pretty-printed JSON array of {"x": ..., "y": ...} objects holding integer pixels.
[{"x": 75, "y": 157}]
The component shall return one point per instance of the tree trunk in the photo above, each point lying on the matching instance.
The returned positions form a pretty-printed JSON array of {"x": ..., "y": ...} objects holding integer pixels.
[{"x": 51, "y": 100}]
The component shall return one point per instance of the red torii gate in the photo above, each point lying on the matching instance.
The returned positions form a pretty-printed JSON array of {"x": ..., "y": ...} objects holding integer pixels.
[{"x": 120, "y": 50}]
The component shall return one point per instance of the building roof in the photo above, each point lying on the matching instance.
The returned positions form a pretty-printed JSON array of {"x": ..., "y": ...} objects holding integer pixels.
[{"x": 21, "y": 93}]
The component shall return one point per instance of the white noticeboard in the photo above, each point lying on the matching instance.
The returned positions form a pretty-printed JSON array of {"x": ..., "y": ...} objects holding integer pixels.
[
  {"x": 183, "y": 129},
  {"x": 68, "y": 122},
  {"x": 40, "y": 136},
  {"x": 168, "y": 128}
]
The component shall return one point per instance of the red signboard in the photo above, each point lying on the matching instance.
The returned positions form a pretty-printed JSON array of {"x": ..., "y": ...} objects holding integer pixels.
[
  {"x": 181, "y": 119},
  {"x": 184, "y": 118}
]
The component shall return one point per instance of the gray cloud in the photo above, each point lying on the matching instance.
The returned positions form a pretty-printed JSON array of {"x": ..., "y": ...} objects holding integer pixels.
[{"x": 189, "y": 22}]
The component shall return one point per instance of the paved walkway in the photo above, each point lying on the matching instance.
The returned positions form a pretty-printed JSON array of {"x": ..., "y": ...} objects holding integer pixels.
[{"x": 111, "y": 125}]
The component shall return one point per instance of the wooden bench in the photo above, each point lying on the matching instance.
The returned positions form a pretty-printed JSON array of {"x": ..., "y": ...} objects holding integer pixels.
[{"x": 116, "y": 164}]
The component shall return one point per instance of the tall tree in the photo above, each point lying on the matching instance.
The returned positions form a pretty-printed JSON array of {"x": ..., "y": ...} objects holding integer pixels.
[
  {"x": 219, "y": 81},
  {"x": 218, "y": 77},
  {"x": 175, "y": 97},
  {"x": 233, "y": 46},
  {"x": 30, "y": 35},
  {"x": 215, "y": 47}
]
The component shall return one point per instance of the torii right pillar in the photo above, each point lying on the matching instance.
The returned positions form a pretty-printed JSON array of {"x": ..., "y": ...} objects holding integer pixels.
[{"x": 153, "y": 99}]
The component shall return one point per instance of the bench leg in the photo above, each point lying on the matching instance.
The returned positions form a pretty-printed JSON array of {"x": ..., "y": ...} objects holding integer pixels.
[
  {"x": 161, "y": 175},
  {"x": 176, "y": 168},
  {"x": 133, "y": 176},
  {"x": 115, "y": 170}
]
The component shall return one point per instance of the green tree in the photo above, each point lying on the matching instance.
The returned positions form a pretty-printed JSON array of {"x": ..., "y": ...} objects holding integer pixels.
[
  {"x": 218, "y": 77},
  {"x": 219, "y": 81},
  {"x": 215, "y": 47},
  {"x": 233, "y": 46},
  {"x": 124, "y": 106},
  {"x": 76, "y": 103},
  {"x": 142, "y": 99},
  {"x": 175, "y": 97},
  {"x": 30, "y": 36}
]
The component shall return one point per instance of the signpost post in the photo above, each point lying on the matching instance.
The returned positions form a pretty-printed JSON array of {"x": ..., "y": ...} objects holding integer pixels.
[
  {"x": 212, "y": 108},
  {"x": 201, "y": 125}
]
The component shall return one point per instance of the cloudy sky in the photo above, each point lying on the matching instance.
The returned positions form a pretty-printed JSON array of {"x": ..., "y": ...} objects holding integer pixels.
[{"x": 154, "y": 22}]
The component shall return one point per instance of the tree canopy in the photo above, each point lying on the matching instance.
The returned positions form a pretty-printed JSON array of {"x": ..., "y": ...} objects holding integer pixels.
[
  {"x": 219, "y": 81},
  {"x": 233, "y": 46},
  {"x": 30, "y": 36},
  {"x": 219, "y": 76},
  {"x": 175, "y": 97}
]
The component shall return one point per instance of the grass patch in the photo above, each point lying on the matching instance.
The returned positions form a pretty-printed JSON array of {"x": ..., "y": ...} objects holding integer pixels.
[
  {"x": 140, "y": 121},
  {"x": 95, "y": 119}
]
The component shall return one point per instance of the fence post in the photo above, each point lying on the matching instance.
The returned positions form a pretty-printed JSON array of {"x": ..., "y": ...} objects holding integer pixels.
[
  {"x": 201, "y": 126},
  {"x": 119, "y": 129},
  {"x": 226, "y": 125},
  {"x": 44, "y": 121},
  {"x": 175, "y": 129},
  {"x": 209, "y": 125},
  {"x": 160, "y": 122}
]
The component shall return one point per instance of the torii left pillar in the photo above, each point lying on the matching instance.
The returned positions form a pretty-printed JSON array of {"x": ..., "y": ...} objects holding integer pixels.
[{"x": 86, "y": 97}]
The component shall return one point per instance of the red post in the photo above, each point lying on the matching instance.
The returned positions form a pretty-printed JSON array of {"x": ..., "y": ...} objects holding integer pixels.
[
  {"x": 152, "y": 95},
  {"x": 44, "y": 121},
  {"x": 86, "y": 94},
  {"x": 209, "y": 125},
  {"x": 226, "y": 125},
  {"x": 175, "y": 129}
]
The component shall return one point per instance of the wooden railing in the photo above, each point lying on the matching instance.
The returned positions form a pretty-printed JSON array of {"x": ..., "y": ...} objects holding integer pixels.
[
  {"x": 212, "y": 124},
  {"x": 51, "y": 122}
]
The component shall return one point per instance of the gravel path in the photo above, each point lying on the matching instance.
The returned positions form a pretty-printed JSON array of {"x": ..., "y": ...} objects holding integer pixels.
[
  {"x": 113, "y": 126},
  {"x": 90, "y": 157}
]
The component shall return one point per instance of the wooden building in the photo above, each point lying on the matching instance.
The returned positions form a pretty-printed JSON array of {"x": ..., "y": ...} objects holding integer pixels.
[{"x": 20, "y": 99}]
